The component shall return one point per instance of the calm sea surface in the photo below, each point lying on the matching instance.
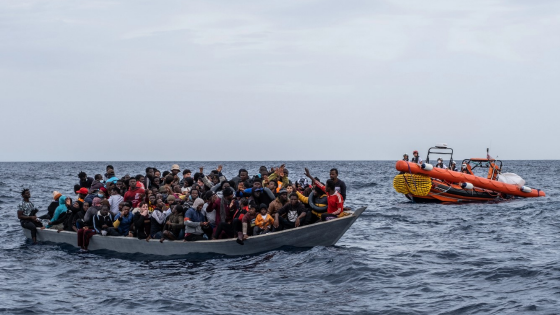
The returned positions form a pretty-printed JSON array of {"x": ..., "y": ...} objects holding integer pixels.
[{"x": 398, "y": 258}]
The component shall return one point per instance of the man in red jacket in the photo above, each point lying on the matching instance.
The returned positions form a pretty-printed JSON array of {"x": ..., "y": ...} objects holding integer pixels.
[
  {"x": 334, "y": 198},
  {"x": 134, "y": 194}
]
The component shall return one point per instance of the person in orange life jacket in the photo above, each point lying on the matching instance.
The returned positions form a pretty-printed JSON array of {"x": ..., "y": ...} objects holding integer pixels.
[
  {"x": 335, "y": 201},
  {"x": 135, "y": 194},
  {"x": 339, "y": 185},
  {"x": 295, "y": 213},
  {"x": 440, "y": 164},
  {"x": 263, "y": 222},
  {"x": 247, "y": 221},
  {"x": 416, "y": 158}
]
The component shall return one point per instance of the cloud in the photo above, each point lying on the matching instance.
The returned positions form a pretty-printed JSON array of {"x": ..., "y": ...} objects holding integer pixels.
[{"x": 228, "y": 80}]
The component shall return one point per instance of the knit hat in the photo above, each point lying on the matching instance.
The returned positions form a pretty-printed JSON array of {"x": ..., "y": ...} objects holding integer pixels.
[
  {"x": 175, "y": 167},
  {"x": 263, "y": 205},
  {"x": 198, "y": 202},
  {"x": 56, "y": 195},
  {"x": 282, "y": 191},
  {"x": 103, "y": 189}
]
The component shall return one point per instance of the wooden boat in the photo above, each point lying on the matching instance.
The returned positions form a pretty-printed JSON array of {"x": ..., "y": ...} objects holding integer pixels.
[
  {"x": 425, "y": 183},
  {"x": 318, "y": 234}
]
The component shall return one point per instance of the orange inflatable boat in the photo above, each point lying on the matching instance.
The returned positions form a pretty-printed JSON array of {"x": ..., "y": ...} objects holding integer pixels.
[{"x": 424, "y": 182}]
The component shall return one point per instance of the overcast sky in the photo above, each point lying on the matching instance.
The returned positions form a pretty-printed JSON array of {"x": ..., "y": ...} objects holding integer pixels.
[{"x": 277, "y": 80}]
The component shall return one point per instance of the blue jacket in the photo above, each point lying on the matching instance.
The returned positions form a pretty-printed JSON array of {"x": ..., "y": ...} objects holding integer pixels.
[
  {"x": 126, "y": 222},
  {"x": 60, "y": 209}
]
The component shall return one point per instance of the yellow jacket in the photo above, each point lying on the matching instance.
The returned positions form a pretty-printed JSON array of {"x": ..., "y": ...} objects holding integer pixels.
[{"x": 261, "y": 223}]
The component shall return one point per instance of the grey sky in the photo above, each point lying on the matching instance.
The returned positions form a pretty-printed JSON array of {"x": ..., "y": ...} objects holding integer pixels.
[{"x": 277, "y": 80}]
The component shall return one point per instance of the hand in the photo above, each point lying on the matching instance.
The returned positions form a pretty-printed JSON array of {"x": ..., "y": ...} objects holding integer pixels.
[
  {"x": 219, "y": 168},
  {"x": 34, "y": 218},
  {"x": 307, "y": 173},
  {"x": 232, "y": 203},
  {"x": 276, "y": 224},
  {"x": 297, "y": 222},
  {"x": 86, "y": 228}
]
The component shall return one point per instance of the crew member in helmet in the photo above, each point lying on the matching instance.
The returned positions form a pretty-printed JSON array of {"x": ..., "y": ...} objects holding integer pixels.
[
  {"x": 405, "y": 157},
  {"x": 416, "y": 158}
]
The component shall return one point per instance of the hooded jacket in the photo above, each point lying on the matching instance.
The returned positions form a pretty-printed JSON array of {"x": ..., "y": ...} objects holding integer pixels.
[
  {"x": 59, "y": 210},
  {"x": 100, "y": 220}
]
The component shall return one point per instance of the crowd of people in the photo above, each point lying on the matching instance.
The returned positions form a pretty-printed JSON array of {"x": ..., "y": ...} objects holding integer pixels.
[{"x": 176, "y": 205}]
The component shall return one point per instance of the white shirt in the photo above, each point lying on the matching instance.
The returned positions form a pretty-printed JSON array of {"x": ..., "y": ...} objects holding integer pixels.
[{"x": 114, "y": 201}]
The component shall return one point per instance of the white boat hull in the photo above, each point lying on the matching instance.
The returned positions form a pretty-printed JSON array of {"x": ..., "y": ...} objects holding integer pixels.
[{"x": 318, "y": 234}]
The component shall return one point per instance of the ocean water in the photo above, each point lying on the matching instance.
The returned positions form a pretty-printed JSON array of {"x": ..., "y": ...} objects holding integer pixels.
[{"x": 398, "y": 258}]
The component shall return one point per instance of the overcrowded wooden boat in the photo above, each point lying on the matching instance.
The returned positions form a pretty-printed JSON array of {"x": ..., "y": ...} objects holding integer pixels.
[{"x": 325, "y": 233}]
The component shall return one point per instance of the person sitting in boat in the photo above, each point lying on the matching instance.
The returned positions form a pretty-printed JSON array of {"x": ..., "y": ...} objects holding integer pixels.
[
  {"x": 440, "y": 164},
  {"x": 135, "y": 194},
  {"x": 247, "y": 224},
  {"x": 57, "y": 221},
  {"x": 115, "y": 200},
  {"x": 416, "y": 158},
  {"x": 263, "y": 221},
  {"x": 26, "y": 214},
  {"x": 102, "y": 221},
  {"x": 197, "y": 227},
  {"x": 123, "y": 222},
  {"x": 157, "y": 219},
  {"x": 453, "y": 166},
  {"x": 278, "y": 203},
  {"x": 405, "y": 157},
  {"x": 294, "y": 212},
  {"x": 142, "y": 221},
  {"x": 79, "y": 215},
  {"x": 320, "y": 200},
  {"x": 174, "y": 225},
  {"x": 93, "y": 209},
  {"x": 335, "y": 202},
  {"x": 52, "y": 206}
]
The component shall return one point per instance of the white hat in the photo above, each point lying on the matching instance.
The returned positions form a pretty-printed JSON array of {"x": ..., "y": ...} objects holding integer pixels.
[{"x": 175, "y": 167}]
